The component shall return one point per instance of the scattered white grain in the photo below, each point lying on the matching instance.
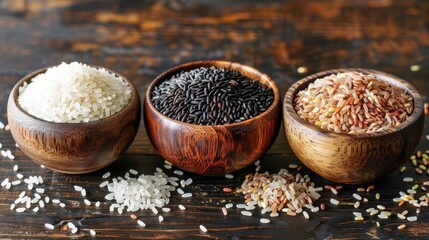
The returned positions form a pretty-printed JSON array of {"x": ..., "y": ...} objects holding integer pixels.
[
  {"x": 257, "y": 162},
  {"x": 305, "y": 214},
  {"x": 202, "y": 228},
  {"x": 141, "y": 223},
  {"x": 83, "y": 192},
  {"x": 181, "y": 207},
  {"x": 49, "y": 226},
  {"x": 334, "y": 201},
  {"x": 36, "y": 195},
  {"x": 357, "y": 204},
  {"x": 178, "y": 172},
  {"x": 229, "y": 176},
  {"x": 97, "y": 204},
  {"x": 373, "y": 212},
  {"x": 166, "y": 166},
  {"x": 40, "y": 190},
  {"x": 400, "y": 216},
  {"x": 134, "y": 172},
  {"x": 8, "y": 185},
  {"x": 87, "y": 202},
  {"x": 71, "y": 225},
  {"x": 357, "y": 196},
  {"x": 274, "y": 214},
  {"x": 241, "y": 205},
  {"x": 381, "y": 207},
  {"x": 187, "y": 195},
  {"x": 188, "y": 181},
  {"x": 36, "y": 209},
  {"x": 30, "y": 186},
  {"x": 224, "y": 211},
  {"x": 12, "y": 206},
  {"x": 229, "y": 205},
  {"x": 17, "y": 182},
  {"x": 166, "y": 209},
  {"x": 41, "y": 204},
  {"x": 293, "y": 166},
  {"x": 106, "y": 175},
  {"x": 5, "y": 181},
  {"x": 62, "y": 205},
  {"x": 246, "y": 213},
  {"x": 103, "y": 184},
  {"x": 160, "y": 218},
  {"x": 42, "y": 166},
  {"x": 55, "y": 201},
  {"x": 77, "y": 188},
  {"x": 180, "y": 191},
  {"x": 74, "y": 230},
  {"x": 92, "y": 232},
  {"x": 264, "y": 220},
  {"x": 359, "y": 218},
  {"x": 21, "y": 209},
  {"x": 15, "y": 168},
  {"x": 408, "y": 179},
  {"x": 357, "y": 214},
  {"x": 412, "y": 219}
]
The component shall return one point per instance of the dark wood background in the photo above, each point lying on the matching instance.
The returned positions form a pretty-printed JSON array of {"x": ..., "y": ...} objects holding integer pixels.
[{"x": 140, "y": 39}]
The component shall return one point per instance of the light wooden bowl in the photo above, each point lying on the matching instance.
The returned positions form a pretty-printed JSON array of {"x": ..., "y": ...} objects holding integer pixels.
[
  {"x": 73, "y": 148},
  {"x": 214, "y": 149},
  {"x": 348, "y": 158}
]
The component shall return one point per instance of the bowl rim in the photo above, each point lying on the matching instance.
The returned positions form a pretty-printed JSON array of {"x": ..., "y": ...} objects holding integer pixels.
[
  {"x": 27, "y": 78},
  {"x": 214, "y": 63},
  {"x": 288, "y": 105}
]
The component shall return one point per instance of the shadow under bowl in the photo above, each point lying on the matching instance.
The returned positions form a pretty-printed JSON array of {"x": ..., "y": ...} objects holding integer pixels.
[
  {"x": 73, "y": 148},
  {"x": 213, "y": 149}
]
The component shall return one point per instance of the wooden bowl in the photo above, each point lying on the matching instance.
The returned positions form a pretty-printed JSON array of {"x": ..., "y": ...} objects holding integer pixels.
[
  {"x": 73, "y": 148},
  {"x": 213, "y": 149},
  {"x": 352, "y": 158}
]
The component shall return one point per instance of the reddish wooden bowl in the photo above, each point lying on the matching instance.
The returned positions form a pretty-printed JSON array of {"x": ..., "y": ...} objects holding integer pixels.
[
  {"x": 352, "y": 158},
  {"x": 73, "y": 148},
  {"x": 216, "y": 149}
]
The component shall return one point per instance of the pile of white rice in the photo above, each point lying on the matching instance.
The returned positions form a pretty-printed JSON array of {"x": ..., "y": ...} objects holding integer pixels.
[{"x": 75, "y": 92}]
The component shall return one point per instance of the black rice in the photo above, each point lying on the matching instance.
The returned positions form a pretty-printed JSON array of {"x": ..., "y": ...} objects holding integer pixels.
[{"x": 211, "y": 96}]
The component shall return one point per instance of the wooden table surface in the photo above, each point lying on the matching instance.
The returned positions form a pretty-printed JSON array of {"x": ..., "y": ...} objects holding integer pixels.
[{"x": 140, "y": 39}]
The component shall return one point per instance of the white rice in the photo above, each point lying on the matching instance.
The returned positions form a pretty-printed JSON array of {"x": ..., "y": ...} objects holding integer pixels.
[
  {"x": 106, "y": 175},
  {"x": 142, "y": 192},
  {"x": 141, "y": 223},
  {"x": 229, "y": 176},
  {"x": 49, "y": 226},
  {"x": 181, "y": 207},
  {"x": 264, "y": 220},
  {"x": 92, "y": 232},
  {"x": 187, "y": 195},
  {"x": 74, "y": 92},
  {"x": 202, "y": 228}
]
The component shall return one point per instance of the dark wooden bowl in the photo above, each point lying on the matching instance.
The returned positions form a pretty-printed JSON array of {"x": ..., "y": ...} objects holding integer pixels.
[
  {"x": 352, "y": 158},
  {"x": 73, "y": 148},
  {"x": 216, "y": 149}
]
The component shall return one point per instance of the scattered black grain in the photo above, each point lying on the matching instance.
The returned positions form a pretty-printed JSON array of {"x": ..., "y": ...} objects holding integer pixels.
[{"x": 211, "y": 96}]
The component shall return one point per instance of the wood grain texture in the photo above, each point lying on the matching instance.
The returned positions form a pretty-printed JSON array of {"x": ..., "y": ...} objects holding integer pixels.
[
  {"x": 352, "y": 158},
  {"x": 73, "y": 148},
  {"x": 142, "y": 38},
  {"x": 217, "y": 149}
]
